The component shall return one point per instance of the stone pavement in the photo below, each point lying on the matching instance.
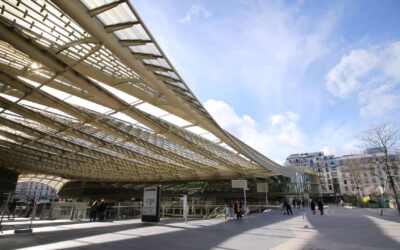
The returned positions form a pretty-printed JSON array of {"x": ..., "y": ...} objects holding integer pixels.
[{"x": 341, "y": 228}]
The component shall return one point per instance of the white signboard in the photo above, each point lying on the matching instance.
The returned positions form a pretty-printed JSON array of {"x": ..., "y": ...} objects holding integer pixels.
[
  {"x": 239, "y": 184},
  {"x": 262, "y": 187},
  {"x": 150, "y": 201}
]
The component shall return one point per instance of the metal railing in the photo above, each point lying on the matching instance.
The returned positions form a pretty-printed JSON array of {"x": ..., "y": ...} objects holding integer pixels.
[{"x": 122, "y": 211}]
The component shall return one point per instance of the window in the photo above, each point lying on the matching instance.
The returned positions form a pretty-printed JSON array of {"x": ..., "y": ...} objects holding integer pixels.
[
  {"x": 345, "y": 182},
  {"x": 330, "y": 187}
]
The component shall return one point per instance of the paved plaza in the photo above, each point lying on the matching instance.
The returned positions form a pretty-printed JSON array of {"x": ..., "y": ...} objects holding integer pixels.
[{"x": 341, "y": 228}]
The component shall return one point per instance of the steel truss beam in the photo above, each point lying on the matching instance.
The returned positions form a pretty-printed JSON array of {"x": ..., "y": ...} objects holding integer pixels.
[
  {"x": 51, "y": 140},
  {"x": 76, "y": 10},
  {"x": 105, "y": 7},
  {"x": 134, "y": 42},
  {"x": 38, "y": 96},
  {"x": 77, "y": 55},
  {"x": 101, "y": 95},
  {"x": 119, "y": 26}
]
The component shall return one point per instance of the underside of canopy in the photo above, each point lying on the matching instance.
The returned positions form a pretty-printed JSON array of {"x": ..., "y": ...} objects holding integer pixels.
[{"x": 87, "y": 93}]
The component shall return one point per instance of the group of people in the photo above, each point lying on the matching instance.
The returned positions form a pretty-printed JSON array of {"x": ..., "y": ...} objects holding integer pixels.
[
  {"x": 318, "y": 204},
  {"x": 233, "y": 210},
  {"x": 296, "y": 203},
  {"x": 97, "y": 210}
]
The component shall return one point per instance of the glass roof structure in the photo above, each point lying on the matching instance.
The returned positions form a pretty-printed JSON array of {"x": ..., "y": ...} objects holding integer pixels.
[
  {"x": 53, "y": 181},
  {"x": 87, "y": 93}
]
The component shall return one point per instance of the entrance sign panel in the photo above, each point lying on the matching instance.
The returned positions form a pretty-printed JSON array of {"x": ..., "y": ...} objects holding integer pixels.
[
  {"x": 239, "y": 184},
  {"x": 262, "y": 187},
  {"x": 151, "y": 204}
]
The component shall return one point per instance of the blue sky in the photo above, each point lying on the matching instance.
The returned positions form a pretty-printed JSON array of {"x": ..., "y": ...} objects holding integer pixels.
[{"x": 286, "y": 76}]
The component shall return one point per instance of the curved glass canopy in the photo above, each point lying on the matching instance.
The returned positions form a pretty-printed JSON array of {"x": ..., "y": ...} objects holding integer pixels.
[{"x": 87, "y": 93}]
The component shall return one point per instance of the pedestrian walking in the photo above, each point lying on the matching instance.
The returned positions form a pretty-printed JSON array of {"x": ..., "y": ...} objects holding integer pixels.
[
  {"x": 321, "y": 207},
  {"x": 226, "y": 212},
  {"x": 100, "y": 210},
  {"x": 312, "y": 206},
  {"x": 236, "y": 208},
  {"x": 283, "y": 207},
  {"x": 93, "y": 210},
  {"x": 288, "y": 207}
]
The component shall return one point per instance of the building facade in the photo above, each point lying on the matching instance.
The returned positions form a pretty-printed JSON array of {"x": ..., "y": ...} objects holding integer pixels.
[
  {"x": 364, "y": 174},
  {"x": 353, "y": 175},
  {"x": 28, "y": 190},
  {"x": 324, "y": 165}
]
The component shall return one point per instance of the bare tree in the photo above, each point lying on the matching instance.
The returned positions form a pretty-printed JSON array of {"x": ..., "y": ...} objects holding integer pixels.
[
  {"x": 355, "y": 171},
  {"x": 386, "y": 138}
]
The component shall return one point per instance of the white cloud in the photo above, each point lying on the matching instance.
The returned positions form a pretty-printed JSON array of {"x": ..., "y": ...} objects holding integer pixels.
[
  {"x": 195, "y": 11},
  {"x": 281, "y": 134},
  {"x": 378, "y": 101},
  {"x": 277, "y": 138},
  {"x": 346, "y": 77},
  {"x": 391, "y": 61},
  {"x": 373, "y": 74}
]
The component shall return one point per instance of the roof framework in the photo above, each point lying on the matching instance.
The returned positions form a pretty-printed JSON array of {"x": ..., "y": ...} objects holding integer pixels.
[
  {"x": 53, "y": 181},
  {"x": 87, "y": 93}
]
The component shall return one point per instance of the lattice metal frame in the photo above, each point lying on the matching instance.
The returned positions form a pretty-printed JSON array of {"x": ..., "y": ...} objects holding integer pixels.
[{"x": 70, "y": 69}]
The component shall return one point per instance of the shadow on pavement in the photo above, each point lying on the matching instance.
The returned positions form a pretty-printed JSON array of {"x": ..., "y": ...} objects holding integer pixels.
[
  {"x": 49, "y": 224},
  {"x": 203, "y": 237},
  {"x": 349, "y": 228}
]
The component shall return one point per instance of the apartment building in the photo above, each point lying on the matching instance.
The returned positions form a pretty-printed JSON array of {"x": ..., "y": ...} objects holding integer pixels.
[
  {"x": 363, "y": 174},
  {"x": 356, "y": 174},
  {"x": 324, "y": 165}
]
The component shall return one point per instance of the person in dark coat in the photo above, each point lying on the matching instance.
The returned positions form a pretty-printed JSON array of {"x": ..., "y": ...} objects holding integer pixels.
[
  {"x": 101, "y": 209},
  {"x": 288, "y": 207},
  {"x": 312, "y": 206},
  {"x": 238, "y": 210},
  {"x": 321, "y": 207},
  {"x": 93, "y": 210}
]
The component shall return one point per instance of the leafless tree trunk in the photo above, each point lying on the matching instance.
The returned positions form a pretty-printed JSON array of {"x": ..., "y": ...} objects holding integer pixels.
[
  {"x": 386, "y": 138},
  {"x": 353, "y": 170}
]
